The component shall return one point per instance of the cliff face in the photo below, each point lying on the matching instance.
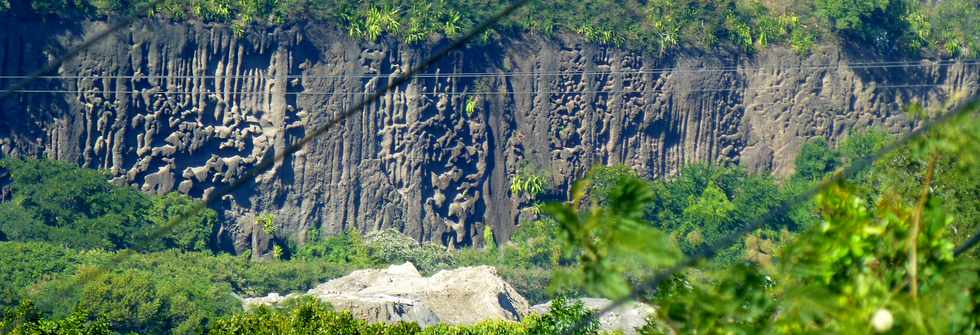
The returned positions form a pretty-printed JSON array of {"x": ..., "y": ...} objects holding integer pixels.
[{"x": 170, "y": 107}]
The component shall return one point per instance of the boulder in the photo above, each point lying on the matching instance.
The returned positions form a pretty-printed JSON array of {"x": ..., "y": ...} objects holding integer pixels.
[
  {"x": 400, "y": 293},
  {"x": 626, "y": 318}
]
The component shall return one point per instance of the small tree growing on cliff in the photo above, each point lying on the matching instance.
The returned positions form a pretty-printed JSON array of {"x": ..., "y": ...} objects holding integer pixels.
[
  {"x": 268, "y": 222},
  {"x": 527, "y": 182},
  {"x": 472, "y": 103}
]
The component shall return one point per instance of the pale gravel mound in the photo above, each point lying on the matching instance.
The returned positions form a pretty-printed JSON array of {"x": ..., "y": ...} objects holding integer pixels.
[{"x": 400, "y": 293}]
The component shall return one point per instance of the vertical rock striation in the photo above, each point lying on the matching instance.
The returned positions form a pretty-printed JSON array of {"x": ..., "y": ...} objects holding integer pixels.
[{"x": 189, "y": 108}]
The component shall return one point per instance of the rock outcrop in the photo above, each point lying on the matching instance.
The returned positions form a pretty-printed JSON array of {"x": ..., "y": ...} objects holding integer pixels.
[
  {"x": 399, "y": 293},
  {"x": 191, "y": 108},
  {"x": 626, "y": 318}
]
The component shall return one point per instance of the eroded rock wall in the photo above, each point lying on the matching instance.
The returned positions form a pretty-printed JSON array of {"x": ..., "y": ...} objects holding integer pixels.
[{"x": 188, "y": 108}]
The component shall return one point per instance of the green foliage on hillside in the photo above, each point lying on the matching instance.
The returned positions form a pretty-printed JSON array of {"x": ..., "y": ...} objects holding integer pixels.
[
  {"x": 170, "y": 289},
  {"x": 189, "y": 227},
  {"x": 140, "y": 301},
  {"x": 815, "y": 159},
  {"x": 838, "y": 277},
  {"x": 25, "y": 319},
  {"x": 946, "y": 27},
  {"x": 24, "y": 264},
  {"x": 704, "y": 202},
  {"x": 879, "y": 259},
  {"x": 58, "y": 202}
]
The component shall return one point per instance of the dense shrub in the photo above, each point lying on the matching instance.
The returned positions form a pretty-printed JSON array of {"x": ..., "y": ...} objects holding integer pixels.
[
  {"x": 23, "y": 264},
  {"x": 815, "y": 159},
  {"x": 389, "y": 246},
  {"x": 25, "y": 319},
  {"x": 703, "y": 203},
  {"x": 137, "y": 300},
  {"x": 58, "y": 202},
  {"x": 345, "y": 248},
  {"x": 310, "y": 317}
]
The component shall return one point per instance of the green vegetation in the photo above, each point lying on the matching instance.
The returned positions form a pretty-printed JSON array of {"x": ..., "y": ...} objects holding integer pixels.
[
  {"x": 26, "y": 319},
  {"x": 527, "y": 185},
  {"x": 815, "y": 159},
  {"x": 878, "y": 259},
  {"x": 60, "y": 203},
  {"x": 267, "y": 221},
  {"x": 489, "y": 242},
  {"x": 472, "y": 103},
  {"x": 310, "y": 316},
  {"x": 528, "y": 182},
  {"x": 391, "y": 247},
  {"x": 946, "y": 27},
  {"x": 610, "y": 232}
]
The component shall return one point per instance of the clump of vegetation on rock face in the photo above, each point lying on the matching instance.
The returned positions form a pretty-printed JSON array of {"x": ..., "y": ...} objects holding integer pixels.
[
  {"x": 267, "y": 221},
  {"x": 528, "y": 182},
  {"x": 529, "y": 185},
  {"x": 472, "y": 103}
]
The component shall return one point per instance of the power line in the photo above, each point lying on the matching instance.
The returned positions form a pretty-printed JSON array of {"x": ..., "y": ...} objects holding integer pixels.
[
  {"x": 491, "y": 93},
  {"x": 710, "y": 251},
  {"x": 671, "y": 70}
]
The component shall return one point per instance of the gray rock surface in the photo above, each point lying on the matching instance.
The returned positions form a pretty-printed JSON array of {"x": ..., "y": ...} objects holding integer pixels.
[
  {"x": 192, "y": 107},
  {"x": 399, "y": 293},
  {"x": 626, "y": 318}
]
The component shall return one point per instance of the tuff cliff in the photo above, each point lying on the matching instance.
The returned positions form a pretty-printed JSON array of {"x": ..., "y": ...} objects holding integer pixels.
[{"x": 184, "y": 107}]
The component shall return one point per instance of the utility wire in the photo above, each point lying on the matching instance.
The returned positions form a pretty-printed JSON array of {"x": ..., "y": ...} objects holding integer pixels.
[
  {"x": 491, "y": 93},
  {"x": 710, "y": 251},
  {"x": 671, "y": 70}
]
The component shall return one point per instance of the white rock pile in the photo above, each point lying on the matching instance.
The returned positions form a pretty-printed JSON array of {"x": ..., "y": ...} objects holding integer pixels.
[{"x": 400, "y": 293}]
